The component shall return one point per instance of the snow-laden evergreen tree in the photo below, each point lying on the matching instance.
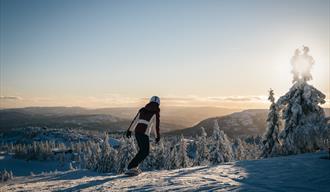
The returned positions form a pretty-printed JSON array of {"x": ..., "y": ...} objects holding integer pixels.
[
  {"x": 94, "y": 156},
  {"x": 126, "y": 153},
  {"x": 108, "y": 157},
  {"x": 271, "y": 144},
  {"x": 171, "y": 155},
  {"x": 71, "y": 166},
  {"x": 216, "y": 155},
  {"x": 238, "y": 149},
  {"x": 6, "y": 175},
  {"x": 182, "y": 157},
  {"x": 252, "y": 150},
  {"x": 42, "y": 152},
  {"x": 35, "y": 151},
  {"x": 221, "y": 148},
  {"x": 304, "y": 118},
  {"x": 159, "y": 151},
  {"x": 61, "y": 158},
  {"x": 86, "y": 154},
  {"x": 226, "y": 147},
  {"x": 202, "y": 152},
  {"x": 326, "y": 136}
]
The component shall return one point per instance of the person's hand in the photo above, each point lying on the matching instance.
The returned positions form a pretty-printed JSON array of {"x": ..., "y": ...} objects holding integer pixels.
[
  {"x": 128, "y": 134},
  {"x": 157, "y": 140}
]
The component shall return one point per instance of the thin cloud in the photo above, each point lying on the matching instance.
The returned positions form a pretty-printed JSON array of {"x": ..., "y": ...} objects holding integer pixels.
[
  {"x": 216, "y": 99},
  {"x": 239, "y": 98},
  {"x": 117, "y": 100},
  {"x": 243, "y": 99},
  {"x": 177, "y": 98},
  {"x": 10, "y": 98}
]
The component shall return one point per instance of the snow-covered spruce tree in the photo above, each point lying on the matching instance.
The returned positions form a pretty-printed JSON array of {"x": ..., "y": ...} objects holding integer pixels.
[
  {"x": 39, "y": 151},
  {"x": 126, "y": 153},
  {"x": 85, "y": 155},
  {"x": 226, "y": 147},
  {"x": 221, "y": 150},
  {"x": 71, "y": 167},
  {"x": 326, "y": 136},
  {"x": 238, "y": 149},
  {"x": 94, "y": 155},
  {"x": 216, "y": 156},
  {"x": 167, "y": 153},
  {"x": 171, "y": 155},
  {"x": 61, "y": 158},
  {"x": 202, "y": 152},
  {"x": 159, "y": 156},
  {"x": 34, "y": 151},
  {"x": 6, "y": 175},
  {"x": 252, "y": 150},
  {"x": 271, "y": 144},
  {"x": 304, "y": 119},
  {"x": 182, "y": 157},
  {"x": 108, "y": 157}
]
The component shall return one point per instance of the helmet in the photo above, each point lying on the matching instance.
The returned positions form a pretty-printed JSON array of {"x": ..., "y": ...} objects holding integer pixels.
[{"x": 155, "y": 99}]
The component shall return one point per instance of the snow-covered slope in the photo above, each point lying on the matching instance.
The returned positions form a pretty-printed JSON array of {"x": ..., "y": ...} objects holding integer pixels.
[{"x": 306, "y": 172}]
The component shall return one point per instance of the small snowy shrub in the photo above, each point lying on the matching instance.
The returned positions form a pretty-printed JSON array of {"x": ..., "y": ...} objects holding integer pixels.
[{"x": 6, "y": 175}]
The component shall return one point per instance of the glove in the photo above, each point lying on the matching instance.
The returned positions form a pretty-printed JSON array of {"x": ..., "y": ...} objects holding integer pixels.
[
  {"x": 128, "y": 134},
  {"x": 157, "y": 140}
]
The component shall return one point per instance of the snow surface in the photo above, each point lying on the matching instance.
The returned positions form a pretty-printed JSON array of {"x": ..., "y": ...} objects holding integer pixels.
[
  {"x": 306, "y": 172},
  {"x": 21, "y": 167}
]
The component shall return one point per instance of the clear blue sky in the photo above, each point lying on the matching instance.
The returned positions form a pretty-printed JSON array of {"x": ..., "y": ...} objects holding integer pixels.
[{"x": 112, "y": 53}]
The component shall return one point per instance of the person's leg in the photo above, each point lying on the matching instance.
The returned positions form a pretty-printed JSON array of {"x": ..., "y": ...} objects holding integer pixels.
[{"x": 143, "y": 143}]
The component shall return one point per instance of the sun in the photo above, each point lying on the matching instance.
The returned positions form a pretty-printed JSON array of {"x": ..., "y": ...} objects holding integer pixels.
[{"x": 301, "y": 65}]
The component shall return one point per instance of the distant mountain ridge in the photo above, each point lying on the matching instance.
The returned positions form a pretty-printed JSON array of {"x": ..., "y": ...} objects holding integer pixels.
[
  {"x": 112, "y": 119},
  {"x": 11, "y": 119},
  {"x": 250, "y": 122},
  {"x": 173, "y": 119}
]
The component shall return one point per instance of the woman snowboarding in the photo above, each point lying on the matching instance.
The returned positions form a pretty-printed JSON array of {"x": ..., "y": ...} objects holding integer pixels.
[{"x": 146, "y": 119}]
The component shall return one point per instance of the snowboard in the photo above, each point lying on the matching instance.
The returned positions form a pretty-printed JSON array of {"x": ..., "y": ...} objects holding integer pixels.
[{"x": 132, "y": 174}]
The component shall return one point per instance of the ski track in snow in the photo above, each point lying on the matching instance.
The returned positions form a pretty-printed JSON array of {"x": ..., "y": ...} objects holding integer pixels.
[{"x": 307, "y": 172}]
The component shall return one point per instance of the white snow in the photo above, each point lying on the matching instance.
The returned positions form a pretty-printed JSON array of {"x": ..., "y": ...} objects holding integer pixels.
[
  {"x": 306, "y": 172},
  {"x": 23, "y": 167}
]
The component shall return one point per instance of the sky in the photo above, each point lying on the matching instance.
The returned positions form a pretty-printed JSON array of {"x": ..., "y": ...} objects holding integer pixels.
[{"x": 189, "y": 53}]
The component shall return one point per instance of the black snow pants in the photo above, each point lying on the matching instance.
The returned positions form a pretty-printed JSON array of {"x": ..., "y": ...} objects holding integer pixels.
[{"x": 143, "y": 143}]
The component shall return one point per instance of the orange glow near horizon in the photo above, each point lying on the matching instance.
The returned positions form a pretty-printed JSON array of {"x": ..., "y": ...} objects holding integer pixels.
[{"x": 251, "y": 102}]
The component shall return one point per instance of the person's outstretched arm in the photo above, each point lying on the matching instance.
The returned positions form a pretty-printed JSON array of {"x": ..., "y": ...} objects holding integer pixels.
[{"x": 157, "y": 127}]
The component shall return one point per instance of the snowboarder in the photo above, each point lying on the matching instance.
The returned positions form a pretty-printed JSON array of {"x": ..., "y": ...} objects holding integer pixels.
[{"x": 146, "y": 119}]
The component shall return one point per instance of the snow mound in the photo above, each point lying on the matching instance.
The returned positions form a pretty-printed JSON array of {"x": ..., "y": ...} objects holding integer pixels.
[{"x": 306, "y": 172}]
